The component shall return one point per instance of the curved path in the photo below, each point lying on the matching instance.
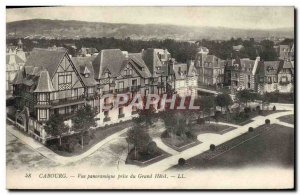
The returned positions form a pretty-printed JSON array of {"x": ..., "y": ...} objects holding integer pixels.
[
  {"x": 216, "y": 139},
  {"x": 167, "y": 162},
  {"x": 37, "y": 146}
]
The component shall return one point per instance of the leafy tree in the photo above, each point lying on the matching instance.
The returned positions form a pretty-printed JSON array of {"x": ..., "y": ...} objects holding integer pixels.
[
  {"x": 55, "y": 126},
  {"x": 139, "y": 137},
  {"x": 245, "y": 96},
  {"x": 223, "y": 100},
  {"x": 84, "y": 120},
  {"x": 146, "y": 116},
  {"x": 207, "y": 103}
]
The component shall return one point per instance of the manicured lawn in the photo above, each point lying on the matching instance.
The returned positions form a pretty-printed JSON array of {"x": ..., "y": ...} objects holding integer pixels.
[
  {"x": 145, "y": 159},
  {"x": 210, "y": 128},
  {"x": 272, "y": 147},
  {"x": 288, "y": 119},
  {"x": 179, "y": 143},
  {"x": 232, "y": 118},
  {"x": 100, "y": 134}
]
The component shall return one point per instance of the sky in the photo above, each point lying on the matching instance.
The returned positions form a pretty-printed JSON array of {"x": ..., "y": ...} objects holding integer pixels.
[{"x": 232, "y": 17}]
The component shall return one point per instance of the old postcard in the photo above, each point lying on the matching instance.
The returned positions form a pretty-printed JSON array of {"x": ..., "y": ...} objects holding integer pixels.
[{"x": 150, "y": 98}]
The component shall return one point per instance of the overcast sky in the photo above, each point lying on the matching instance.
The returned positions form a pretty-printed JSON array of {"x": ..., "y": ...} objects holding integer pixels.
[{"x": 233, "y": 17}]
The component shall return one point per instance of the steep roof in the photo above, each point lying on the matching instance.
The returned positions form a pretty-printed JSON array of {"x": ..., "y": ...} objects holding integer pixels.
[
  {"x": 214, "y": 60},
  {"x": 286, "y": 64},
  {"x": 44, "y": 82},
  {"x": 271, "y": 67},
  {"x": 151, "y": 59},
  {"x": 13, "y": 59},
  {"x": 108, "y": 59},
  {"x": 45, "y": 59},
  {"x": 139, "y": 65},
  {"x": 84, "y": 65},
  {"x": 19, "y": 77},
  {"x": 247, "y": 63}
]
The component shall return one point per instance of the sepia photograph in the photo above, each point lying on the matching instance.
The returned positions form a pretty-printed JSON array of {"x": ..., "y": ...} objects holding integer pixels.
[{"x": 157, "y": 97}]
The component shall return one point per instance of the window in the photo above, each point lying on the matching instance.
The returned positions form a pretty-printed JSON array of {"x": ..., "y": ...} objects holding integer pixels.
[
  {"x": 121, "y": 111},
  {"x": 64, "y": 81},
  {"x": 90, "y": 90},
  {"x": 121, "y": 85},
  {"x": 43, "y": 114},
  {"x": 283, "y": 79},
  {"x": 43, "y": 97},
  {"x": 134, "y": 82},
  {"x": 269, "y": 79},
  {"x": 275, "y": 79},
  {"x": 75, "y": 92},
  {"x": 248, "y": 77}
]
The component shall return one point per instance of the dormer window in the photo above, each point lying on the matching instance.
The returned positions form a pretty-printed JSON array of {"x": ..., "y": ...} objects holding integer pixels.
[
  {"x": 106, "y": 74},
  {"x": 86, "y": 72}
]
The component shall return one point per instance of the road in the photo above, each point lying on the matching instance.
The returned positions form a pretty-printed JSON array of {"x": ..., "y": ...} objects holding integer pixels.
[{"x": 114, "y": 146}]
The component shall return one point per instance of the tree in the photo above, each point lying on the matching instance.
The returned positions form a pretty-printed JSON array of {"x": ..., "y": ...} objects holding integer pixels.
[
  {"x": 245, "y": 96},
  {"x": 139, "y": 137},
  {"x": 84, "y": 120},
  {"x": 207, "y": 103},
  {"x": 145, "y": 116},
  {"x": 55, "y": 126},
  {"x": 223, "y": 100}
]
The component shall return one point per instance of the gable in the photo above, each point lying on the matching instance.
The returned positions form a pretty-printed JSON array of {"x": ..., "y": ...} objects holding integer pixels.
[
  {"x": 128, "y": 71},
  {"x": 66, "y": 76}
]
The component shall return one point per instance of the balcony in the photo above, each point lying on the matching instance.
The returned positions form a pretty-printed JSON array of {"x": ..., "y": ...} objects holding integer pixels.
[
  {"x": 135, "y": 88},
  {"x": 122, "y": 90},
  {"x": 67, "y": 101},
  {"x": 108, "y": 92}
]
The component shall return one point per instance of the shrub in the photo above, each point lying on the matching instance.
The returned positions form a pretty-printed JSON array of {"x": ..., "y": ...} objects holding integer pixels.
[
  {"x": 251, "y": 129},
  {"x": 218, "y": 113},
  {"x": 258, "y": 108},
  {"x": 200, "y": 121},
  {"x": 212, "y": 147},
  {"x": 181, "y": 162},
  {"x": 247, "y": 110},
  {"x": 267, "y": 121},
  {"x": 92, "y": 135},
  {"x": 260, "y": 112},
  {"x": 165, "y": 134},
  {"x": 190, "y": 135},
  {"x": 274, "y": 108},
  {"x": 152, "y": 147},
  {"x": 243, "y": 115}
]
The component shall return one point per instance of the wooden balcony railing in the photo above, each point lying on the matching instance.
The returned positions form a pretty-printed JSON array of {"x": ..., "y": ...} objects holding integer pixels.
[{"x": 67, "y": 100}]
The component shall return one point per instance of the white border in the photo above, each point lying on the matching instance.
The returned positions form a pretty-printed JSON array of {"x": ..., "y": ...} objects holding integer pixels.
[{"x": 4, "y": 3}]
